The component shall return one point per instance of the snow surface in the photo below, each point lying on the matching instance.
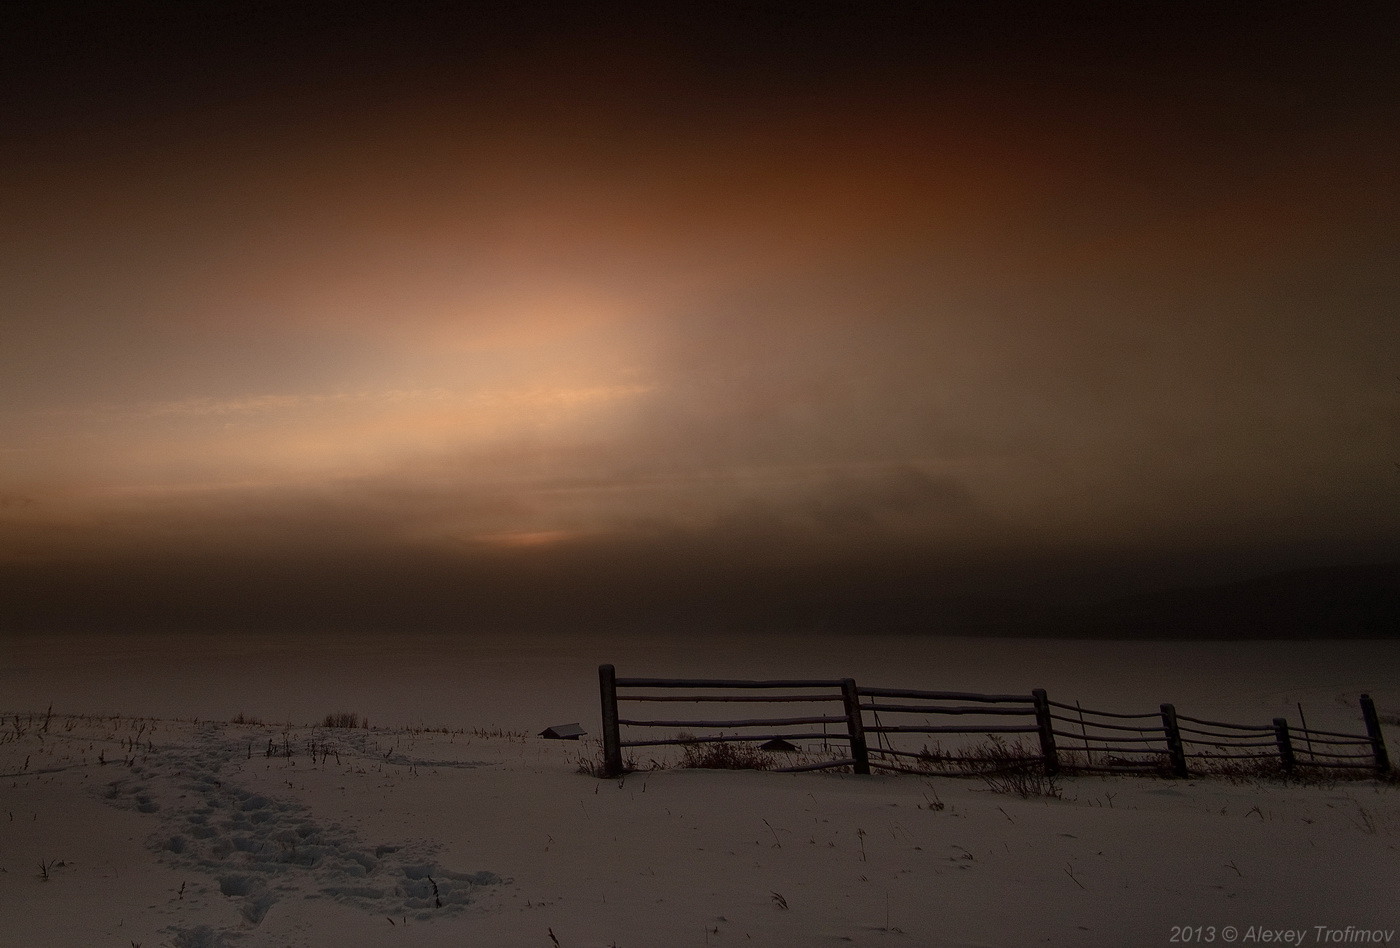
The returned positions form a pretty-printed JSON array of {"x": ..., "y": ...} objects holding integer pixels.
[{"x": 137, "y": 813}]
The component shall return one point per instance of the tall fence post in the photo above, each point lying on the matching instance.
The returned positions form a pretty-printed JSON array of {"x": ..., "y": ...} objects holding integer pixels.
[
  {"x": 1373, "y": 731},
  {"x": 612, "y": 736},
  {"x": 1046, "y": 727},
  {"x": 855, "y": 726},
  {"x": 1175, "y": 749},
  {"x": 1285, "y": 744}
]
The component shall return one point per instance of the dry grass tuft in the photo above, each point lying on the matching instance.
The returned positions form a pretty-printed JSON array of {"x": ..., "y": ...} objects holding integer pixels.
[
  {"x": 1005, "y": 767},
  {"x": 724, "y": 755},
  {"x": 344, "y": 719}
]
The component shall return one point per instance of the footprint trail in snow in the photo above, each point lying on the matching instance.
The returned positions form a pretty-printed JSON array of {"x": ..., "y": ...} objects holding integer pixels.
[{"x": 261, "y": 850}]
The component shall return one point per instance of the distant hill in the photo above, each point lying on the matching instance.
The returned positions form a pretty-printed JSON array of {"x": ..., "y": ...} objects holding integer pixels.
[
  {"x": 1357, "y": 602},
  {"x": 1334, "y": 602}
]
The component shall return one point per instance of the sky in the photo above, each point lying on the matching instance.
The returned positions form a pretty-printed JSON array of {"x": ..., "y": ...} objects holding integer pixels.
[{"x": 466, "y": 315}]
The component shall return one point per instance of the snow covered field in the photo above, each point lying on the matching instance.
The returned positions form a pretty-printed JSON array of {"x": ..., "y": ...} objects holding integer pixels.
[{"x": 170, "y": 825}]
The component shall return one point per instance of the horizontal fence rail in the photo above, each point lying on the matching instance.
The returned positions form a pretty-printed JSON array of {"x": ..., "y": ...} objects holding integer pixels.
[
  {"x": 1096, "y": 741},
  {"x": 1223, "y": 745},
  {"x": 997, "y": 716},
  {"x": 1021, "y": 730},
  {"x": 837, "y": 694}
]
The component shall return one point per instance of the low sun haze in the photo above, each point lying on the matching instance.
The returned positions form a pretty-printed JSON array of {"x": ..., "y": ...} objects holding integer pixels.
[{"x": 767, "y": 313}]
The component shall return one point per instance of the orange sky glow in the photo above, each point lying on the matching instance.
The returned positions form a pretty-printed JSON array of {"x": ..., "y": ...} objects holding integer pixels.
[{"x": 1082, "y": 298}]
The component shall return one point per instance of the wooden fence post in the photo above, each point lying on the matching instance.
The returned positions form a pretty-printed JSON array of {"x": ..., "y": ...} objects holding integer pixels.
[
  {"x": 1373, "y": 731},
  {"x": 855, "y": 726},
  {"x": 1285, "y": 744},
  {"x": 1046, "y": 727},
  {"x": 1175, "y": 749},
  {"x": 612, "y": 737}
]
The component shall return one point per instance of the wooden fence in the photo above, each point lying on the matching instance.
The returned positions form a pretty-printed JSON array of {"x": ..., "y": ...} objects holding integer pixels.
[{"x": 1056, "y": 736}]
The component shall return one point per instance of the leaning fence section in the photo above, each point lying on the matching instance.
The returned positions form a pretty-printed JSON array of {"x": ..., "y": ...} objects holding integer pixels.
[
  {"x": 939, "y": 731},
  {"x": 924, "y": 732},
  {"x": 1310, "y": 747},
  {"x": 823, "y": 710},
  {"x": 1225, "y": 747},
  {"x": 1094, "y": 741}
]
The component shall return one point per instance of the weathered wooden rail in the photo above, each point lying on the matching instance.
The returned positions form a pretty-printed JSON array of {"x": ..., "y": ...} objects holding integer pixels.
[{"x": 1067, "y": 737}]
